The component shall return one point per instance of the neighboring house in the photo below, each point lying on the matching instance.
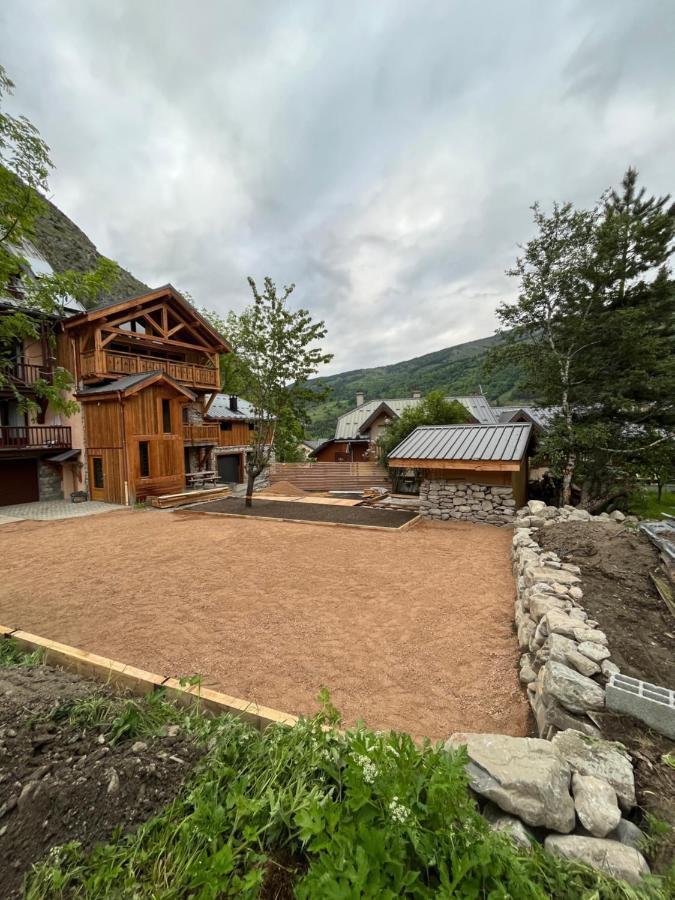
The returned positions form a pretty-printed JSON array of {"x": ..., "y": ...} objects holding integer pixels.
[
  {"x": 137, "y": 364},
  {"x": 539, "y": 416},
  {"x": 235, "y": 418},
  {"x": 358, "y": 430},
  {"x": 473, "y": 472},
  {"x": 307, "y": 447}
]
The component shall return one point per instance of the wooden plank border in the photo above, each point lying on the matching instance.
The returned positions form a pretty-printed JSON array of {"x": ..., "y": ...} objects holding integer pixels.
[
  {"x": 138, "y": 681},
  {"x": 203, "y": 512}
]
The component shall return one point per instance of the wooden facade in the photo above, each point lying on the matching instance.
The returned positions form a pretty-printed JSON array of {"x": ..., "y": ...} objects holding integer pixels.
[
  {"x": 343, "y": 451},
  {"x": 139, "y": 362}
]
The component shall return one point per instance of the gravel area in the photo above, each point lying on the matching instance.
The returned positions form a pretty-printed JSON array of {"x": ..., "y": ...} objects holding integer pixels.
[
  {"x": 309, "y": 512},
  {"x": 408, "y": 629}
]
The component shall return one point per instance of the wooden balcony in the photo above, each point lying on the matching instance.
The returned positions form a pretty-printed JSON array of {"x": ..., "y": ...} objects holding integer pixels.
[
  {"x": 108, "y": 363},
  {"x": 201, "y": 434},
  {"x": 24, "y": 375},
  {"x": 34, "y": 437}
]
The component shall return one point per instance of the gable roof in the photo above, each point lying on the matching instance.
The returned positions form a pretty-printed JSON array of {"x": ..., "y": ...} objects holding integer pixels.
[
  {"x": 538, "y": 415},
  {"x": 220, "y": 409},
  {"x": 349, "y": 424},
  {"x": 166, "y": 290},
  {"x": 132, "y": 383},
  {"x": 503, "y": 443}
]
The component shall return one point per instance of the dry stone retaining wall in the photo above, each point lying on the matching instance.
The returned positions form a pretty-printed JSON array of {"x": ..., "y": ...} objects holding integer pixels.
[
  {"x": 445, "y": 500},
  {"x": 568, "y": 789}
]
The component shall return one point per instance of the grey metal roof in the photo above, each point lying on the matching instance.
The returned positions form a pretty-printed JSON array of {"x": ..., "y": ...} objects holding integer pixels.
[
  {"x": 220, "y": 409},
  {"x": 502, "y": 443},
  {"x": 540, "y": 415},
  {"x": 129, "y": 381},
  {"x": 349, "y": 424}
]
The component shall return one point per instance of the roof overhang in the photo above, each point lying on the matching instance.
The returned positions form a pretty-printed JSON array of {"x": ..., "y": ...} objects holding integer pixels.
[
  {"x": 474, "y": 465},
  {"x": 66, "y": 456},
  {"x": 382, "y": 409},
  {"x": 168, "y": 290},
  {"x": 152, "y": 378}
]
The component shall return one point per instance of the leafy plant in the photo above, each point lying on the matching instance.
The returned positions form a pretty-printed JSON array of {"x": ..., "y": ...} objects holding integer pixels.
[{"x": 11, "y": 654}]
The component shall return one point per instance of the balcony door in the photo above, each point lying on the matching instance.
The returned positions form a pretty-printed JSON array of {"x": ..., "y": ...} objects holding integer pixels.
[{"x": 96, "y": 478}]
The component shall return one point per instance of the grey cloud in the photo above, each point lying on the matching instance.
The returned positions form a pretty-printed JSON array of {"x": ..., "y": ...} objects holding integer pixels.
[{"x": 382, "y": 156}]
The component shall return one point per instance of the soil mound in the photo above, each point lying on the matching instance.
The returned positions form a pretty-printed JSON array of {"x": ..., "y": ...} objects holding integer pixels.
[{"x": 285, "y": 489}]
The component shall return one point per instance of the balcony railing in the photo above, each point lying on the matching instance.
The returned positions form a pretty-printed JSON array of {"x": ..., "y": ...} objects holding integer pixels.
[
  {"x": 201, "y": 434},
  {"x": 35, "y": 437},
  {"x": 108, "y": 362},
  {"x": 25, "y": 374}
]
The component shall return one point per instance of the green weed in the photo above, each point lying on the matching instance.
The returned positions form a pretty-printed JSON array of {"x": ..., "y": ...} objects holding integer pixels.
[
  {"x": 11, "y": 654},
  {"x": 363, "y": 814}
]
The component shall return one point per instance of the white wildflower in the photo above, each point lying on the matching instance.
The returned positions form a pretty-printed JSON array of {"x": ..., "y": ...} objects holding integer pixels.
[{"x": 399, "y": 812}]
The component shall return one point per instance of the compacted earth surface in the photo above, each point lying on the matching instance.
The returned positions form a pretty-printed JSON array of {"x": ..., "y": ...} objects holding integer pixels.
[
  {"x": 309, "y": 512},
  {"x": 409, "y": 629},
  {"x": 615, "y": 564},
  {"x": 62, "y": 783}
]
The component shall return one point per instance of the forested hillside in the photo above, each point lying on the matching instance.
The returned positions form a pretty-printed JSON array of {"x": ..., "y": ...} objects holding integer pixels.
[{"x": 455, "y": 370}]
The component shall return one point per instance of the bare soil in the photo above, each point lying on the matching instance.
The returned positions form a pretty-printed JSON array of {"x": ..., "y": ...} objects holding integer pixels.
[
  {"x": 411, "y": 630},
  {"x": 615, "y": 565},
  {"x": 309, "y": 512},
  {"x": 61, "y": 784},
  {"x": 284, "y": 489}
]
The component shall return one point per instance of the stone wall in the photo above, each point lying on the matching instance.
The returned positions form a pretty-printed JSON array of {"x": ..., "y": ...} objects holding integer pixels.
[
  {"x": 470, "y": 501},
  {"x": 49, "y": 482}
]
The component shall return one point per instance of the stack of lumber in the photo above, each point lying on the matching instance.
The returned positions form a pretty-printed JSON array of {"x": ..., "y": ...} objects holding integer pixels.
[{"x": 167, "y": 501}]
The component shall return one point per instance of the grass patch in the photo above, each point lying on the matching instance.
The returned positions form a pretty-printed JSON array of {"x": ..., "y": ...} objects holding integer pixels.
[
  {"x": 346, "y": 815},
  {"x": 11, "y": 654},
  {"x": 646, "y": 505}
]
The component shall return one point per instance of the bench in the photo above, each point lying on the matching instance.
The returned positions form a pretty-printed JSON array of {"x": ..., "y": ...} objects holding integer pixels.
[{"x": 199, "y": 479}]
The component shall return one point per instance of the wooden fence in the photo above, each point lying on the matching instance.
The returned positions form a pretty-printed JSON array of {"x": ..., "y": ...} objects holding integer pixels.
[{"x": 331, "y": 476}]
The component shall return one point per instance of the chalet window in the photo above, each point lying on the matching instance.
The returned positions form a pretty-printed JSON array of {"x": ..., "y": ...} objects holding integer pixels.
[
  {"x": 226, "y": 426},
  {"x": 251, "y": 426},
  {"x": 144, "y": 458},
  {"x": 166, "y": 416},
  {"x": 97, "y": 466}
]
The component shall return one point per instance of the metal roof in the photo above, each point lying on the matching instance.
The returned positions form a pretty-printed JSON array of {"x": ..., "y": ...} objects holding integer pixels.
[
  {"x": 220, "y": 409},
  {"x": 129, "y": 381},
  {"x": 349, "y": 424},
  {"x": 540, "y": 415},
  {"x": 502, "y": 443}
]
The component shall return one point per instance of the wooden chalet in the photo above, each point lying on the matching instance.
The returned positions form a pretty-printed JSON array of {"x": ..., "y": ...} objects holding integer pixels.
[{"x": 139, "y": 362}]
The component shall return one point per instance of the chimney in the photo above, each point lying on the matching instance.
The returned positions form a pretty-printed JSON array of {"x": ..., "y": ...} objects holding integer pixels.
[
  {"x": 233, "y": 403},
  {"x": 416, "y": 395},
  {"x": 359, "y": 398}
]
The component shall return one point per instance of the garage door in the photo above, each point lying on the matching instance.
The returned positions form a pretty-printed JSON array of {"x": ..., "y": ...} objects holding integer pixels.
[
  {"x": 18, "y": 481},
  {"x": 228, "y": 468}
]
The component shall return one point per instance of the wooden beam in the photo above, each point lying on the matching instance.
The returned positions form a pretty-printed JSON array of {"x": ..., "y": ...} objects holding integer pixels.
[{"x": 470, "y": 465}]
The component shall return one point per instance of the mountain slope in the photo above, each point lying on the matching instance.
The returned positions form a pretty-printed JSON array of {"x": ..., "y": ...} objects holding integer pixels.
[
  {"x": 454, "y": 370},
  {"x": 65, "y": 246}
]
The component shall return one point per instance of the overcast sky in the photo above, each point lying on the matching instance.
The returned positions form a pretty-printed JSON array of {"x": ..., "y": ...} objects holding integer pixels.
[{"x": 382, "y": 155}]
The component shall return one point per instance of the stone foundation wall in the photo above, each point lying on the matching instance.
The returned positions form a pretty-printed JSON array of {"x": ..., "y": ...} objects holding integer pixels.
[
  {"x": 473, "y": 502},
  {"x": 49, "y": 482}
]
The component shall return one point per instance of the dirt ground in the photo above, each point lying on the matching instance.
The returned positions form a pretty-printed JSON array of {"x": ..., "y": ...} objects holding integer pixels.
[
  {"x": 409, "y": 630},
  {"x": 310, "y": 512},
  {"x": 615, "y": 565},
  {"x": 618, "y": 592},
  {"x": 60, "y": 784}
]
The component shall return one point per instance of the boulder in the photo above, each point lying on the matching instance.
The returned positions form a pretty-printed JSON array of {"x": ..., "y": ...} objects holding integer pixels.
[
  {"x": 570, "y": 688},
  {"x": 609, "y": 668},
  {"x": 617, "y": 515},
  {"x": 533, "y": 574},
  {"x": 610, "y": 857},
  {"x": 582, "y": 663},
  {"x": 523, "y": 776},
  {"x": 510, "y": 825},
  {"x": 580, "y": 515},
  {"x": 596, "y": 804},
  {"x": 535, "y": 507},
  {"x": 596, "y": 652},
  {"x": 628, "y": 833},
  {"x": 540, "y": 604},
  {"x": 551, "y": 717},
  {"x": 586, "y": 633},
  {"x": 604, "y": 759},
  {"x": 576, "y": 593}
]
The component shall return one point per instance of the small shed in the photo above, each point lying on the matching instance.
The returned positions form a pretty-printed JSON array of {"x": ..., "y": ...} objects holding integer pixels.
[{"x": 474, "y": 472}]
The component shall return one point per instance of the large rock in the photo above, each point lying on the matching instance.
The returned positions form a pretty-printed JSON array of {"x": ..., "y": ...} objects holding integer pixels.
[
  {"x": 556, "y": 647},
  {"x": 570, "y": 688},
  {"x": 540, "y": 604},
  {"x": 582, "y": 663},
  {"x": 611, "y": 857},
  {"x": 510, "y": 825},
  {"x": 628, "y": 833},
  {"x": 534, "y": 574},
  {"x": 596, "y": 652},
  {"x": 552, "y": 717},
  {"x": 595, "y": 803},
  {"x": 604, "y": 759},
  {"x": 535, "y": 507},
  {"x": 523, "y": 776}
]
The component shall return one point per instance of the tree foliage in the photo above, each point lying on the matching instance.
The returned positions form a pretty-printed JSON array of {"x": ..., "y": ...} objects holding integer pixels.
[
  {"x": 24, "y": 169},
  {"x": 276, "y": 351},
  {"x": 434, "y": 409},
  {"x": 592, "y": 331}
]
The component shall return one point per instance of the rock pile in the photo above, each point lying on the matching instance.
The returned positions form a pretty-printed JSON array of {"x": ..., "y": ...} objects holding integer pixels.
[
  {"x": 569, "y": 789},
  {"x": 444, "y": 500},
  {"x": 569, "y": 793}
]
